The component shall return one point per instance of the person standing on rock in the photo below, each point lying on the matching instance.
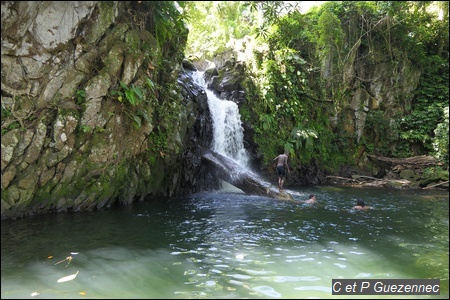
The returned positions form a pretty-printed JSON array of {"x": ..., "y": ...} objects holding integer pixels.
[{"x": 282, "y": 166}]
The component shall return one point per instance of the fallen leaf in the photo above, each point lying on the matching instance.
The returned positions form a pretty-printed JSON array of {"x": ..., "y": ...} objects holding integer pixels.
[{"x": 68, "y": 278}]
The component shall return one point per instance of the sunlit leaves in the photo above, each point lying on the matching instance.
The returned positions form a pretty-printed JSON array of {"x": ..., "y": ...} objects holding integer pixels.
[
  {"x": 303, "y": 138},
  {"x": 133, "y": 94},
  {"x": 331, "y": 35},
  {"x": 168, "y": 19},
  {"x": 212, "y": 24}
]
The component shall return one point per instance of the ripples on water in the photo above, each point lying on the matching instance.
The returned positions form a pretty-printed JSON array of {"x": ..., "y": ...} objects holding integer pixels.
[{"x": 229, "y": 245}]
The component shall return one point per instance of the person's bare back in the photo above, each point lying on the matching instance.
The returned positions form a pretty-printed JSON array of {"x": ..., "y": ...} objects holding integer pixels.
[
  {"x": 282, "y": 166},
  {"x": 282, "y": 158}
]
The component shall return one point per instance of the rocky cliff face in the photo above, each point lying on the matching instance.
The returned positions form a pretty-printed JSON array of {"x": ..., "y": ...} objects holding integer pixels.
[{"x": 94, "y": 110}]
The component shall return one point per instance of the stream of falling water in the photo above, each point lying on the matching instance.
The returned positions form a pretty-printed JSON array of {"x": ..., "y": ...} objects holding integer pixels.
[{"x": 227, "y": 126}]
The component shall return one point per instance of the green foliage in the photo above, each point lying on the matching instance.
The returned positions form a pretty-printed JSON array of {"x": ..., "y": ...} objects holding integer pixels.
[
  {"x": 331, "y": 35},
  {"x": 302, "y": 138},
  {"x": 379, "y": 135},
  {"x": 418, "y": 126},
  {"x": 134, "y": 95},
  {"x": 158, "y": 144},
  {"x": 266, "y": 121},
  {"x": 285, "y": 113},
  {"x": 169, "y": 24},
  {"x": 212, "y": 24},
  {"x": 5, "y": 112},
  {"x": 10, "y": 119},
  {"x": 289, "y": 87},
  {"x": 440, "y": 140},
  {"x": 11, "y": 126},
  {"x": 81, "y": 96},
  {"x": 432, "y": 96},
  {"x": 7, "y": 126},
  {"x": 86, "y": 128},
  {"x": 436, "y": 172},
  {"x": 271, "y": 12},
  {"x": 151, "y": 85}
]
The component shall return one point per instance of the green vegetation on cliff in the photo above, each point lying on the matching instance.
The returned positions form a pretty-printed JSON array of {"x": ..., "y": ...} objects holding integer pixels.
[{"x": 346, "y": 80}]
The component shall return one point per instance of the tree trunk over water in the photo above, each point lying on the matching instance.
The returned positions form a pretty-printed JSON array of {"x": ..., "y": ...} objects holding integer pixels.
[{"x": 250, "y": 183}]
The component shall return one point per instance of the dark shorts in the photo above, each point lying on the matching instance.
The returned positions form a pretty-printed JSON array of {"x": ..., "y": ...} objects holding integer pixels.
[{"x": 281, "y": 171}]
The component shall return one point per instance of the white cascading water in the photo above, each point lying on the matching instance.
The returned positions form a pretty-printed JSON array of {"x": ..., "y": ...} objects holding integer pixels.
[{"x": 228, "y": 132}]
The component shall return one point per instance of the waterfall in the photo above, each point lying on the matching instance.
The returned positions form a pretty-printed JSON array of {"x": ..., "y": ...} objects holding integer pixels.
[{"x": 227, "y": 126}]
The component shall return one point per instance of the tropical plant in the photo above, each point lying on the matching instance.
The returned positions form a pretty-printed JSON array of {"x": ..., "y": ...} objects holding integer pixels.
[
  {"x": 440, "y": 140},
  {"x": 300, "y": 139}
]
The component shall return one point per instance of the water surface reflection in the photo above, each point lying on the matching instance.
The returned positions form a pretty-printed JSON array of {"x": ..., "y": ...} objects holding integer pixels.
[{"x": 229, "y": 245}]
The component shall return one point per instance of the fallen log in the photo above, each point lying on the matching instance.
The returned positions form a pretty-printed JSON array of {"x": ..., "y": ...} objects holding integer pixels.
[
  {"x": 434, "y": 185},
  {"x": 368, "y": 181},
  {"x": 343, "y": 178},
  {"x": 409, "y": 162},
  {"x": 365, "y": 177},
  {"x": 242, "y": 178}
]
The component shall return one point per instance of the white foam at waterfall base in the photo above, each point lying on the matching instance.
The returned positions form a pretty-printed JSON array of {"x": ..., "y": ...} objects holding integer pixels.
[{"x": 226, "y": 187}]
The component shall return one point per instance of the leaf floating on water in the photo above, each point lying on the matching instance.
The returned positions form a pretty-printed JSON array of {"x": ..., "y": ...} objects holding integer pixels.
[
  {"x": 50, "y": 257},
  {"x": 68, "y": 278},
  {"x": 82, "y": 293},
  {"x": 68, "y": 258}
]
